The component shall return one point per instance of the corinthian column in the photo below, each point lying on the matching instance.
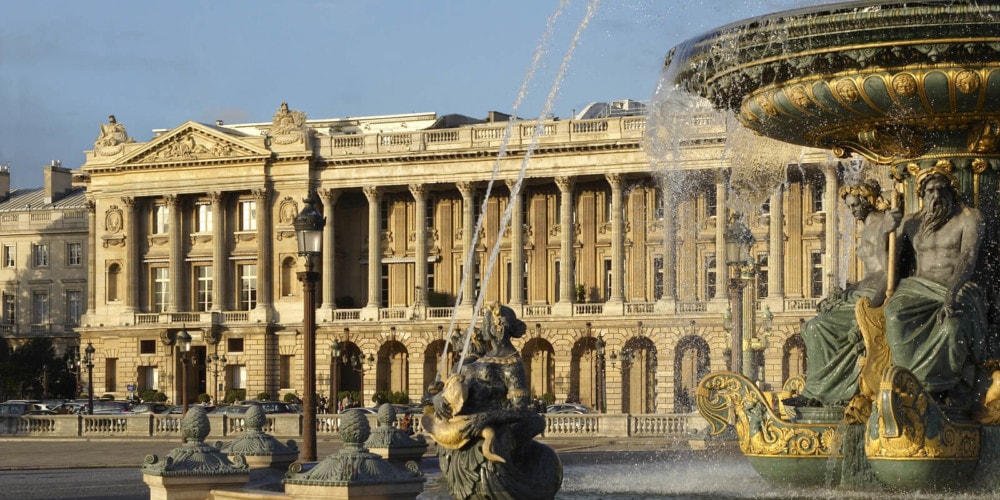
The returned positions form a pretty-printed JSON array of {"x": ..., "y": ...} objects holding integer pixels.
[
  {"x": 721, "y": 223},
  {"x": 516, "y": 245},
  {"x": 265, "y": 259},
  {"x": 329, "y": 199},
  {"x": 420, "y": 251},
  {"x": 832, "y": 246},
  {"x": 374, "y": 197},
  {"x": 219, "y": 267},
  {"x": 565, "y": 185},
  {"x": 617, "y": 240},
  {"x": 468, "y": 228},
  {"x": 669, "y": 246},
  {"x": 176, "y": 253},
  {"x": 132, "y": 280},
  {"x": 776, "y": 246},
  {"x": 91, "y": 257}
]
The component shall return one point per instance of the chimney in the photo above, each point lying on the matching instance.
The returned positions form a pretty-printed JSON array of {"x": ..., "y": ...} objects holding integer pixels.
[
  {"x": 4, "y": 182},
  {"x": 58, "y": 181}
]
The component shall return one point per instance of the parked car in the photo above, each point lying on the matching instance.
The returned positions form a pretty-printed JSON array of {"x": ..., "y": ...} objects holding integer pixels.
[
  {"x": 16, "y": 408},
  {"x": 147, "y": 408},
  {"x": 571, "y": 408},
  {"x": 110, "y": 408},
  {"x": 179, "y": 409},
  {"x": 276, "y": 407},
  {"x": 230, "y": 410}
]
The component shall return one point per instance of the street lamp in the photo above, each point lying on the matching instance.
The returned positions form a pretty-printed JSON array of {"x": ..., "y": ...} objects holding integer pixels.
[
  {"x": 217, "y": 362},
  {"x": 601, "y": 375},
  {"x": 184, "y": 339},
  {"x": 88, "y": 360},
  {"x": 739, "y": 239},
  {"x": 759, "y": 343},
  {"x": 309, "y": 234},
  {"x": 336, "y": 351}
]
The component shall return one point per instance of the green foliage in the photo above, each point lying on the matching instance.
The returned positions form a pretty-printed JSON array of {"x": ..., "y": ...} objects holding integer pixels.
[
  {"x": 289, "y": 397},
  {"x": 384, "y": 396},
  {"x": 355, "y": 395},
  {"x": 204, "y": 398},
  {"x": 263, "y": 396},
  {"x": 549, "y": 398},
  {"x": 581, "y": 293},
  {"x": 32, "y": 371},
  {"x": 152, "y": 395},
  {"x": 233, "y": 395}
]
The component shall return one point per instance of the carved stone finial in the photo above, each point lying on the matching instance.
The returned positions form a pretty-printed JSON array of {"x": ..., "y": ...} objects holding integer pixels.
[
  {"x": 259, "y": 447},
  {"x": 195, "y": 457}
]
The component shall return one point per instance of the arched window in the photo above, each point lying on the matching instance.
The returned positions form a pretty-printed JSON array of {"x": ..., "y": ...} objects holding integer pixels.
[
  {"x": 114, "y": 280},
  {"x": 287, "y": 277}
]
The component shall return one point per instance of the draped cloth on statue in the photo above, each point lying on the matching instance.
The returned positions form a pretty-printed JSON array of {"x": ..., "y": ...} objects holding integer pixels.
[
  {"x": 833, "y": 345},
  {"x": 940, "y": 353}
]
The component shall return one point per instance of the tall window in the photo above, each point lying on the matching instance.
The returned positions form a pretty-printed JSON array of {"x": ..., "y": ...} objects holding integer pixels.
[
  {"x": 161, "y": 288},
  {"x": 149, "y": 378},
  {"x": 285, "y": 371},
  {"x": 74, "y": 306},
  {"x": 816, "y": 274},
  {"x": 248, "y": 286},
  {"x": 429, "y": 213},
  {"x": 762, "y": 275},
  {"x": 161, "y": 219},
  {"x": 384, "y": 283},
  {"x": 711, "y": 275},
  {"x": 556, "y": 279},
  {"x": 203, "y": 288},
  {"x": 9, "y": 308},
  {"x": 203, "y": 218},
  {"x": 658, "y": 203},
  {"x": 111, "y": 374},
  {"x": 40, "y": 307},
  {"x": 248, "y": 215},
  {"x": 40, "y": 255},
  {"x": 657, "y": 278},
  {"x": 507, "y": 282},
  {"x": 9, "y": 256},
  {"x": 524, "y": 282},
  {"x": 237, "y": 376},
  {"x": 711, "y": 202},
  {"x": 383, "y": 214},
  {"x": 430, "y": 277},
  {"x": 608, "y": 208},
  {"x": 818, "y": 187},
  {"x": 74, "y": 254},
  {"x": 607, "y": 278}
]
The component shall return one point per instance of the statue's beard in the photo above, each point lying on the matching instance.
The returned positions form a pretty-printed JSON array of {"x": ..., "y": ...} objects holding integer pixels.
[{"x": 936, "y": 213}]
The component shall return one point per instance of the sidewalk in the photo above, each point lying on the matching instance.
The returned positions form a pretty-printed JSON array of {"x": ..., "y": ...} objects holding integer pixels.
[{"x": 43, "y": 453}]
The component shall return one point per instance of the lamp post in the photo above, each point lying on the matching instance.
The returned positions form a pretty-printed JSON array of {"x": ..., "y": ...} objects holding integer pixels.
[
  {"x": 601, "y": 380},
  {"x": 184, "y": 338},
  {"x": 739, "y": 239},
  {"x": 88, "y": 360},
  {"x": 759, "y": 344},
  {"x": 217, "y": 362},
  {"x": 73, "y": 363},
  {"x": 309, "y": 234},
  {"x": 336, "y": 351}
]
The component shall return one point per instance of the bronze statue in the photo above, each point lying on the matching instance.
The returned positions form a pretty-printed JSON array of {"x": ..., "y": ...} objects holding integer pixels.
[{"x": 484, "y": 426}]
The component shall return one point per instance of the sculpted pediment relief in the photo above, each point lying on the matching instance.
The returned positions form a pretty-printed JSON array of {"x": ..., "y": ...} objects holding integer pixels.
[{"x": 191, "y": 142}]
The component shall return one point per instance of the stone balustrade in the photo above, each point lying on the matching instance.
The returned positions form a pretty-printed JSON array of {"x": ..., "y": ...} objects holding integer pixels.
[{"x": 290, "y": 425}]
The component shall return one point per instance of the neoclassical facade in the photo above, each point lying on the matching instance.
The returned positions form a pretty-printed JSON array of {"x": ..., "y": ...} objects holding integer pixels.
[{"x": 192, "y": 231}]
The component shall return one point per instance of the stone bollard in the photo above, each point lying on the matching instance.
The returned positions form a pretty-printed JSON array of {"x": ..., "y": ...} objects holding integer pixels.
[
  {"x": 391, "y": 443},
  {"x": 355, "y": 472},
  {"x": 193, "y": 470}
]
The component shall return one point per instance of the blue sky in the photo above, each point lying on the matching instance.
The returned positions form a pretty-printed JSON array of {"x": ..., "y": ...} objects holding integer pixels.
[{"x": 66, "y": 65}]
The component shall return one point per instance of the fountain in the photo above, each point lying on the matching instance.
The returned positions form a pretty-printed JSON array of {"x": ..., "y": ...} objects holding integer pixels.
[{"x": 914, "y": 86}]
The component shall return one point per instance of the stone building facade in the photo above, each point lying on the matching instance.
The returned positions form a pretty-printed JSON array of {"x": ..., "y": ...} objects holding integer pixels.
[{"x": 192, "y": 231}]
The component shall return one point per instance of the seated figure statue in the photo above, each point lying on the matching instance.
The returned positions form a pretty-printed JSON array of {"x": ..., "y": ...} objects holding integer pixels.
[
  {"x": 833, "y": 341},
  {"x": 936, "y": 318},
  {"x": 484, "y": 426}
]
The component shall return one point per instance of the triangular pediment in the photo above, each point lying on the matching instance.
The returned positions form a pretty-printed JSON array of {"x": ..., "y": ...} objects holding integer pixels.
[{"x": 191, "y": 142}]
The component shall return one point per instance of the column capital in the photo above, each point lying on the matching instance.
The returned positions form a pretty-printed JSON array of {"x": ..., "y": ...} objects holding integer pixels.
[
  {"x": 466, "y": 188},
  {"x": 614, "y": 179},
  {"x": 328, "y": 195},
  {"x": 372, "y": 193},
  {"x": 171, "y": 200},
  {"x": 215, "y": 197},
  {"x": 419, "y": 191},
  {"x": 564, "y": 183},
  {"x": 260, "y": 195},
  {"x": 129, "y": 202},
  {"x": 91, "y": 206}
]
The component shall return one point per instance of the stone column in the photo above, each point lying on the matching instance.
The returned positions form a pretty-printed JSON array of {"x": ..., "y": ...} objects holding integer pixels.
[
  {"x": 220, "y": 266},
  {"x": 776, "y": 247},
  {"x": 420, "y": 251},
  {"x": 374, "y": 197},
  {"x": 832, "y": 245},
  {"x": 265, "y": 259},
  {"x": 516, "y": 245},
  {"x": 669, "y": 247},
  {"x": 565, "y": 185},
  {"x": 721, "y": 223},
  {"x": 329, "y": 198},
  {"x": 617, "y": 240},
  {"x": 133, "y": 279},
  {"x": 91, "y": 257},
  {"x": 468, "y": 229},
  {"x": 176, "y": 270}
]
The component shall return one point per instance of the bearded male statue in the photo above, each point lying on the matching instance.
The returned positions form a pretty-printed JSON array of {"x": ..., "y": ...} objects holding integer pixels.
[{"x": 936, "y": 319}]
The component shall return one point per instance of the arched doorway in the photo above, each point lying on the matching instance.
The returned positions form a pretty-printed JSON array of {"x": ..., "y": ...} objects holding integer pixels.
[
  {"x": 392, "y": 373},
  {"x": 585, "y": 373},
  {"x": 349, "y": 371},
  {"x": 432, "y": 362},
  {"x": 691, "y": 364},
  {"x": 793, "y": 358},
  {"x": 637, "y": 362},
  {"x": 539, "y": 366}
]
